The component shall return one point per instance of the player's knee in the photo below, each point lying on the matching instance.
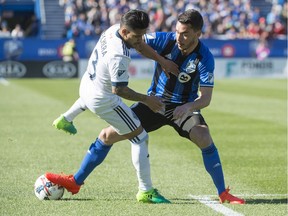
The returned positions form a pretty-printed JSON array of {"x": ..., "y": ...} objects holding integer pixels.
[
  {"x": 109, "y": 136},
  {"x": 200, "y": 135},
  {"x": 103, "y": 135}
]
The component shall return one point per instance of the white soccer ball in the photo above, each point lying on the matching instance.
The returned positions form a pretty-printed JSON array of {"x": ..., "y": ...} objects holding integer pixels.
[{"x": 46, "y": 190}]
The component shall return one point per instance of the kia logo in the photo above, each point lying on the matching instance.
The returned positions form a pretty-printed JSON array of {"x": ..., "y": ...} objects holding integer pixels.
[
  {"x": 59, "y": 69},
  {"x": 12, "y": 69}
]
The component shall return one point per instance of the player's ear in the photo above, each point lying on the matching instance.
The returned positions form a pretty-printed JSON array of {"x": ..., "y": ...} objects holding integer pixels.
[
  {"x": 199, "y": 33},
  {"x": 124, "y": 32}
]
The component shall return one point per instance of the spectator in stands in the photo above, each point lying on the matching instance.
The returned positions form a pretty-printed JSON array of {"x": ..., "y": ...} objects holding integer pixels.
[
  {"x": 284, "y": 14},
  {"x": 262, "y": 50},
  {"x": 4, "y": 31},
  {"x": 222, "y": 17},
  {"x": 33, "y": 28},
  {"x": 17, "y": 32},
  {"x": 278, "y": 29}
]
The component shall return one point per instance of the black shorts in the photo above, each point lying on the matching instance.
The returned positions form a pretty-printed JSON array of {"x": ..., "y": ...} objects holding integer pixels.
[{"x": 151, "y": 121}]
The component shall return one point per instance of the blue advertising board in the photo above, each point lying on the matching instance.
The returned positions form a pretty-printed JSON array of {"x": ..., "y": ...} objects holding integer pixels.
[{"x": 35, "y": 49}]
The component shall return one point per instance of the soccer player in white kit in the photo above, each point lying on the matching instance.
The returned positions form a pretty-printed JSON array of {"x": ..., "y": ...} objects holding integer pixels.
[{"x": 102, "y": 86}]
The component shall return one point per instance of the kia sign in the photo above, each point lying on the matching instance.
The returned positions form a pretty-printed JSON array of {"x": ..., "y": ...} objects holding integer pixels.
[
  {"x": 12, "y": 69},
  {"x": 38, "y": 69},
  {"x": 59, "y": 69}
]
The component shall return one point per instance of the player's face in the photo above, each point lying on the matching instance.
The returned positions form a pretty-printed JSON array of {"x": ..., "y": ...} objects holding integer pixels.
[
  {"x": 135, "y": 37},
  {"x": 186, "y": 38}
]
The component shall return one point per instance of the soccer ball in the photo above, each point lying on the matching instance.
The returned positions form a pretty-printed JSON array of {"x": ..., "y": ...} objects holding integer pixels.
[{"x": 46, "y": 190}]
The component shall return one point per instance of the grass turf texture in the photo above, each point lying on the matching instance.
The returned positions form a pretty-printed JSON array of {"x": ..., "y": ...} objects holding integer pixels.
[{"x": 247, "y": 119}]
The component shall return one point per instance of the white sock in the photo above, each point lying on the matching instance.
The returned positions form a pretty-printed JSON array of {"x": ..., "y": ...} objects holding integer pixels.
[
  {"x": 77, "y": 108},
  {"x": 140, "y": 159}
]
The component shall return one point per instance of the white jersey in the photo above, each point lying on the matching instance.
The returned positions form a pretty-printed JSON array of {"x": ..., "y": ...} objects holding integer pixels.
[{"x": 107, "y": 67}]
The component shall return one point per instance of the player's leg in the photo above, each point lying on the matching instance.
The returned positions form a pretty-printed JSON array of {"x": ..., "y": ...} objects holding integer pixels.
[
  {"x": 100, "y": 148},
  {"x": 199, "y": 134},
  {"x": 65, "y": 121},
  {"x": 125, "y": 126},
  {"x": 196, "y": 129},
  {"x": 140, "y": 157}
]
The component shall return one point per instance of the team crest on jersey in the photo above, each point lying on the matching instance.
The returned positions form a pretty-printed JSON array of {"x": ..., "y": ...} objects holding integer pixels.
[
  {"x": 191, "y": 66},
  {"x": 120, "y": 72}
]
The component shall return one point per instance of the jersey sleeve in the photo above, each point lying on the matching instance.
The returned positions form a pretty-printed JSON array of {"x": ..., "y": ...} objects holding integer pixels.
[
  {"x": 158, "y": 40},
  {"x": 206, "y": 68},
  {"x": 118, "y": 69}
]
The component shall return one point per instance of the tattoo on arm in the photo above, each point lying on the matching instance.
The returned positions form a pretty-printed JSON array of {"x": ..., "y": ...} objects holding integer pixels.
[{"x": 129, "y": 94}]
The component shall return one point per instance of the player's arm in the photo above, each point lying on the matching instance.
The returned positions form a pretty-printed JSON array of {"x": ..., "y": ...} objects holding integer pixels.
[
  {"x": 153, "y": 102},
  {"x": 204, "y": 99},
  {"x": 167, "y": 65}
]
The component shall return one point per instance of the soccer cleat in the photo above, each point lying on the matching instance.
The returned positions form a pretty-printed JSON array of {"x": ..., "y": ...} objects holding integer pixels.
[
  {"x": 67, "y": 181},
  {"x": 62, "y": 124},
  {"x": 226, "y": 197},
  {"x": 151, "y": 196}
]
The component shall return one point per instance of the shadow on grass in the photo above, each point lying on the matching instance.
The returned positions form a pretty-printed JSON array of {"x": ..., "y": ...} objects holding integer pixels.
[
  {"x": 76, "y": 199},
  {"x": 183, "y": 201},
  {"x": 266, "y": 201}
]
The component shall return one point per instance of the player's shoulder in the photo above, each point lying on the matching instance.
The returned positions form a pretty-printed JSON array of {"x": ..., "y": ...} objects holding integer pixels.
[
  {"x": 116, "y": 46},
  {"x": 160, "y": 36},
  {"x": 205, "y": 52},
  {"x": 204, "y": 49}
]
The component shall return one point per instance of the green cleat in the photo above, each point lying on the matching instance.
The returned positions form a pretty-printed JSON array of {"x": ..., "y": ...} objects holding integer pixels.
[
  {"x": 151, "y": 196},
  {"x": 62, "y": 124}
]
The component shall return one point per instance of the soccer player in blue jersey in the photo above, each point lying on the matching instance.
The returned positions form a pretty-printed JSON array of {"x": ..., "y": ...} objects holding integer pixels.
[{"x": 184, "y": 95}]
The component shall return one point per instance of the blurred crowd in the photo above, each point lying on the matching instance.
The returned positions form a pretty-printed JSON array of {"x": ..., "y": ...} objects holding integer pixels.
[
  {"x": 223, "y": 19},
  {"x": 31, "y": 30}
]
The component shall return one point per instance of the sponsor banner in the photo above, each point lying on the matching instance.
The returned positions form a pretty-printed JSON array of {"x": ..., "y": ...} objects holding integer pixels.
[
  {"x": 250, "y": 67},
  {"x": 224, "y": 68},
  {"x": 35, "y": 49},
  {"x": 38, "y": 69},
  {"x": 138, "y": 68}
]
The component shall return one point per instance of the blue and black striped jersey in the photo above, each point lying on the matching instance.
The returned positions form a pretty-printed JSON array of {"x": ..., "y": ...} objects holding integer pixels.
[{"x": 196, "y": 69}]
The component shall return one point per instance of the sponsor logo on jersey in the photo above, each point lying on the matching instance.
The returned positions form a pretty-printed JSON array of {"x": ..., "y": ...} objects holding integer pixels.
[{"x": 183, "y": 77}]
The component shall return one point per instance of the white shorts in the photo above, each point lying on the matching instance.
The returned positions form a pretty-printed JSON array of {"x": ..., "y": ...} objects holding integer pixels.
[
  {"x": 121, "y": 118},
  {"x": 113, "y": 110}
]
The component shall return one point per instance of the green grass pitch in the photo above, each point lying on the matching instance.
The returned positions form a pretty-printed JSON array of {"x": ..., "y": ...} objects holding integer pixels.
[{"x": 247, "y": 119}]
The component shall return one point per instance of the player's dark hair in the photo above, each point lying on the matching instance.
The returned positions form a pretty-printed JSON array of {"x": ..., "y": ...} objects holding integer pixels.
[
  {"x": 135, "y": 19},
  {"x": 193, "y": 18}
]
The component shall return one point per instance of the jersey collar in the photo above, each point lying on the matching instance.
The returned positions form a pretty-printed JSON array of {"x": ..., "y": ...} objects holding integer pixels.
[{"x": 119, "y": 36}]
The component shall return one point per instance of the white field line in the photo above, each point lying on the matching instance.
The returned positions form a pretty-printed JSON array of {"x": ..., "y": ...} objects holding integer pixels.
[
  {"x": 216, "y": 206},
  {"x": 244, "y": 195}
]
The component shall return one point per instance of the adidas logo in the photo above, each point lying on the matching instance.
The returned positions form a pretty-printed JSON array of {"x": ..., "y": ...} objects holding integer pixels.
[{"x": 216, "y": 165}]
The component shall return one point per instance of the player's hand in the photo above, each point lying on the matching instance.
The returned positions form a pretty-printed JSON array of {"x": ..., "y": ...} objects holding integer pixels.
[
  {"x": 180, "y": 111},
  {"x": 169, "y": 67},
  {"x": 154, "y": 103}
]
